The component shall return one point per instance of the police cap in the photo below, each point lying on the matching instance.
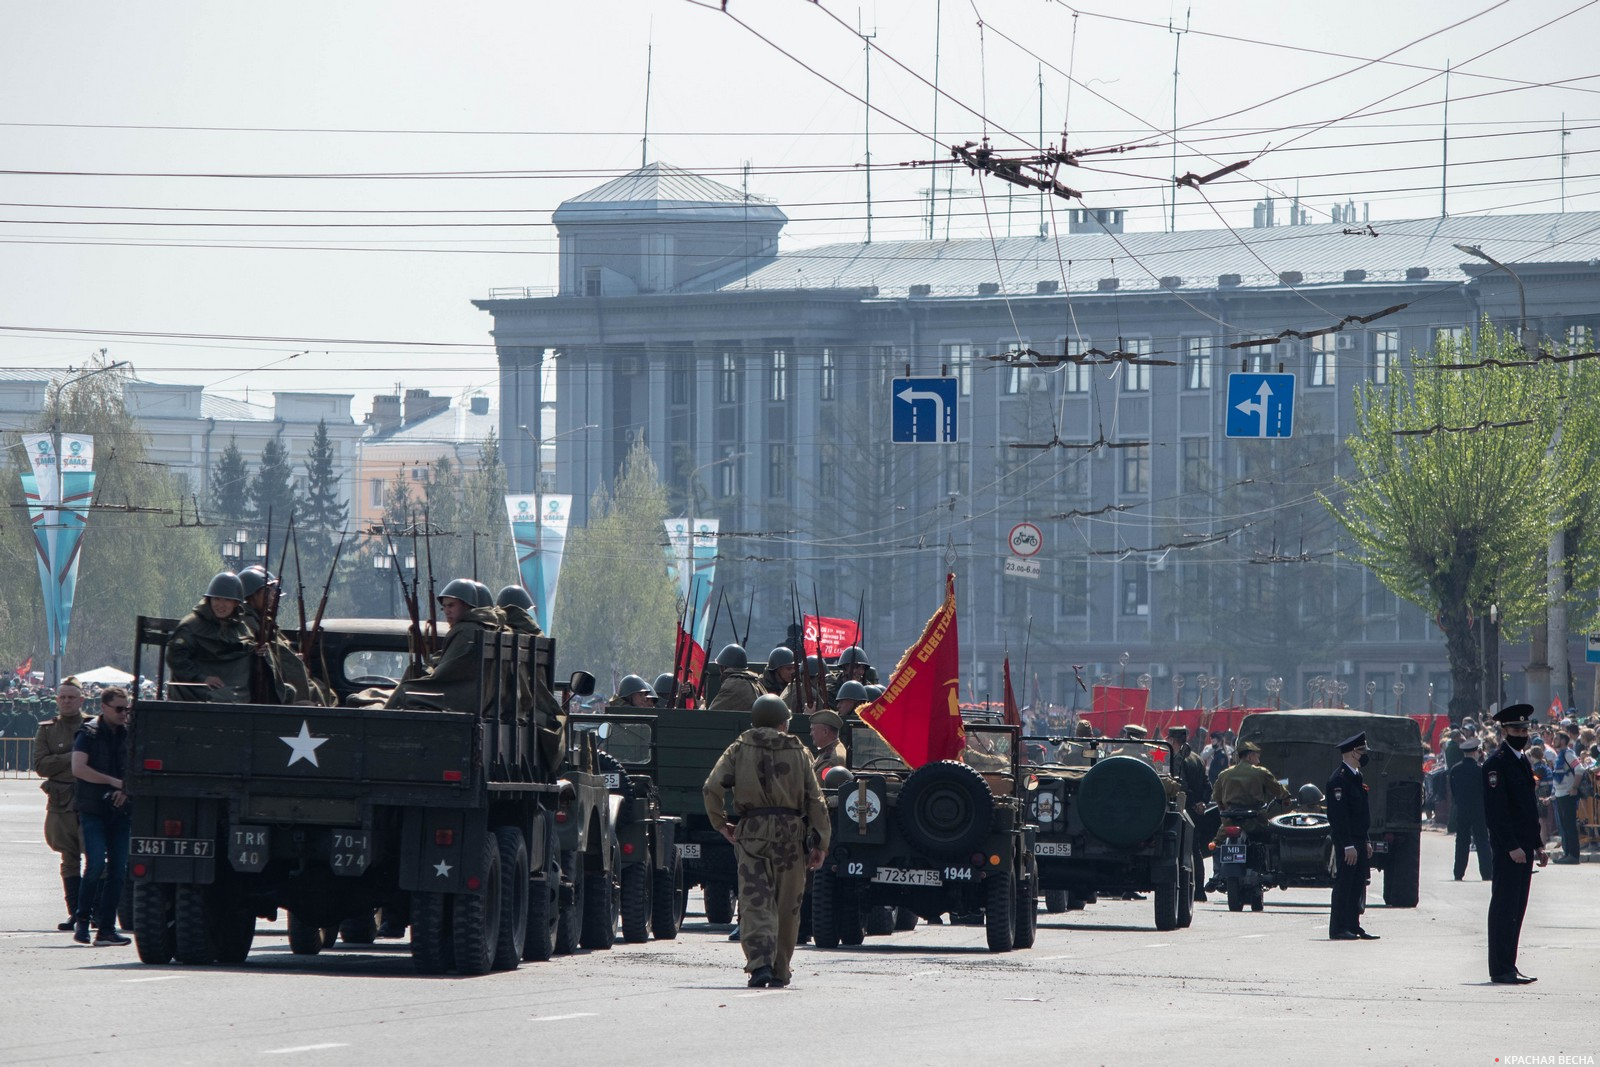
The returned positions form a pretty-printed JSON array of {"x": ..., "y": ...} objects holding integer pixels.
[
  {"x": 1515, "y": 715},
  {"x": 1350, "y": 744}
]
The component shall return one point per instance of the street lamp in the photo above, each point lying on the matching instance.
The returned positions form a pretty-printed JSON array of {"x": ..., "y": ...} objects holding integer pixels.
[
  {"x": 694, "y": 484},
  {"x": 383, "y": 561},
  {"x": 1522, "y": 295}
]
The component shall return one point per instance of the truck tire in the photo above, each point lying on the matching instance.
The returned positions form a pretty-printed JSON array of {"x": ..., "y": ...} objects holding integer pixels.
[
  {"x": 233, "y": 932},
  {"x": 1258, "y": 898},
  {"x": 191, "y": 930},
  {"x": 1185, "y": 898},
  {"x": 475, "y": 917},
  {"x": 599, "y": 911},
  {"x": 904, "y": 919},
  {"x": 125, "y": 905},
  {"x": 304, "y": 938},
  {"x": 1401, "y": 874},
  {"x": 847, "y": 913},
  {"x": 153, "y": 922},
  {"x": 544, "y": 916},
  {"x": 1055, "y": 901},
  {"x": 430, "y": 932},
  {"x": 1027, "y": 907},
  {"x": 824, "y": 929},
  {"x": 945, "y": 809},
  {"x": 635, "y": 903},
  {"x": 1000, "y": 910},
  {"x": 1165, "y": 898},
  {"x": 665, "y": 891},
  {"x": 570, "y": 925},
  {"x": 719, "y": 898},
  {"x": 1121, "y": 801},
  {"x": 880, "y": 920},
  {"x": 513, "y": 898},
  {"x": 1077, "y": 903},
  {"x": 359, "y": 929}
]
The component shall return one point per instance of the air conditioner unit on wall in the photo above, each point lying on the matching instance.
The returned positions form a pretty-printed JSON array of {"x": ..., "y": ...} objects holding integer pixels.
[
  {"x": 1348, "y": 341},
  {"x": 1408, "y": 668}
]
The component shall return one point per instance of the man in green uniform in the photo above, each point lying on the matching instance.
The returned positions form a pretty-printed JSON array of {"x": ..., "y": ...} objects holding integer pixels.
[
  {"x": 740, "y": 685},
  {"x": 452, "y": 682},
  {"x": 209, "y": 653},
  {"x": 1247, "y": 784},
  {"x": 825, "y": 727},
  {"x": 808, "y": 691},
  {"x": 783, "y": 831},
  {"x": 52, "y": 761},
  {"x": 517, "y": 606},
  {"x": 291, "y": 682},
  {"x": 633, "y": 692},
  {"x": 851, "y": 666},
  {"x": 850, "y": 696},
  {"x": 780, "y": 670}
]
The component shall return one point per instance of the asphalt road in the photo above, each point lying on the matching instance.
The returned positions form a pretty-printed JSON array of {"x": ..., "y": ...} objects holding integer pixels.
[{"x": 1101, "y": 986}]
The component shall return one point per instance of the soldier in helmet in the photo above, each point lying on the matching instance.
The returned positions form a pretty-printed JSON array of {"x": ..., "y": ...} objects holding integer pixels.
[
  {"x": 780, "y": 670},
  {"x": 452, "y": 682},
  {"x": 665, "y": 686},
  {"x": 806, "y": 691},
  {"x": 291, "y": 682},
  {"x": 851, "y": 696},
  {"x": 209, "y": 653},
  {"x": 516, "y": 606},
  {"x": 633, "y": 692},
  {"x": 740, "y": 685},
  {"x": 851, "y": 666},
  {"x": 783, "y": 830}
]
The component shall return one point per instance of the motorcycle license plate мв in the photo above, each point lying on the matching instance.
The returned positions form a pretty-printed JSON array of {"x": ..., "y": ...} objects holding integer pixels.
[{"x": 1231, "y": 853}]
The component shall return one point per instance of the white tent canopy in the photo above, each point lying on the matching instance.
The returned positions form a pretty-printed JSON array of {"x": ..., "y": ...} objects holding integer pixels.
[{"x": 105, "y": 676}]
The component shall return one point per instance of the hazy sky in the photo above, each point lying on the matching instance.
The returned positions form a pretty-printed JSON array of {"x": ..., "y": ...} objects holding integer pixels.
[{"x": 484, "y": 116}]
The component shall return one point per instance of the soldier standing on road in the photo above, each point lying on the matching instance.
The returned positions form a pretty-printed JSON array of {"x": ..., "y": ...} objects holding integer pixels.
[
  {"x": 1348, "y": 823},
  {"x": 1512, "y": 812},
  {"x": 740, "y": 685},
  {"x": 825, "y": 727},
  {"x": 783, "y": 831},
  {"x": 780, "y": 670},
  {"x": 1466, "y": 789},
  {"x": 52, "y": 761},
  {"x": 1197, "y": 796},
  {"x": 209, "y": 653}
]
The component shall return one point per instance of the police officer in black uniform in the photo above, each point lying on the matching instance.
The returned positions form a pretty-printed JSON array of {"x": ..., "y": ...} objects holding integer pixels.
[
  {"x": 1466, "y": 810},
  {"x": 1348, "y": 822},
  {"x": 1513, "y": 816}
]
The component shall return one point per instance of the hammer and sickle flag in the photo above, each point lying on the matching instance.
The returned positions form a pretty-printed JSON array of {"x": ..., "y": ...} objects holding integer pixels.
[{"x": 919, "y": 715}]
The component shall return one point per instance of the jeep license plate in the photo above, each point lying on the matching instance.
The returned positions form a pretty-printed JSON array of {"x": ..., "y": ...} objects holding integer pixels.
[
  {"x": 1231, "y": 853},
  {"x": 183, "y": 847},
  {"x": 900, "y": 876},
  {"x": 688, "y": 852},
  {"x": 1380, "y": 846},
  {"x": 613, "y": 780},
  {"x": 1053, "y": 848}
]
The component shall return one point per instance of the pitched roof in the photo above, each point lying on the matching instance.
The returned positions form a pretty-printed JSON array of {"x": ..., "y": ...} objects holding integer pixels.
[{"x": 657, "y": 189}]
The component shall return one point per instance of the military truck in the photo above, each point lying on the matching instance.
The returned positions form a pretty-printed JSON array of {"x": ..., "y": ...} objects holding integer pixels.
[
  {"x": 949, "y": 837},
  {"x": 1111, "y": 820},
  {"x": 1302, "y": 746},
  {"x": 651, "y": 874},
  {"x": 458, "y": 821}
]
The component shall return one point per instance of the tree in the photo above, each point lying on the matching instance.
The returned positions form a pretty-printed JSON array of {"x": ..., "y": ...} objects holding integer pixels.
[
  {"x": 230, "y": 485},
  {"x": 322, "y": 512},
  {"x": 1453, "y": 493},
  {"x": 616, "y": 610},
  {"x": 272, "y": 492},
  {"x": 484, "y": 529}
]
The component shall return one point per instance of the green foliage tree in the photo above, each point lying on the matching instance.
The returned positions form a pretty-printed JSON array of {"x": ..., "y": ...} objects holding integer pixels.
[
  {"x": 230, "y": 485},
  {"x": 272, "y": 492},
  {"x": 485, "y": 533},
  {"x": 1454, "y": 489},
  {"x": 323, "y": 513},
  {"x": 616, "y": 610}
]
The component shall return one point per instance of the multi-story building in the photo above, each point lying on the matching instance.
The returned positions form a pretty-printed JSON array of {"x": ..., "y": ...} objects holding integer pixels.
[{"x": 761, "y": 381}]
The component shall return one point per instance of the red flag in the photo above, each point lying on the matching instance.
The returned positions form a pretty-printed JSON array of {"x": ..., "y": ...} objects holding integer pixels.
[
  {"x": 1124, "y": 700},
  {"x": 1013, "y": 713},
  {"x": 920, "y": 713},
  {"x": 829, "y": 636},
  {"x": 27, "y": 665},
  {"x": 690, "y": 658}
]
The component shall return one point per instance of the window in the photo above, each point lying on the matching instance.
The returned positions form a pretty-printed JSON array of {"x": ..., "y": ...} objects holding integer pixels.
[
  {"x": 958, "y": 358},
  {"x": 955, "y": 477},
  {"x": 376, "y": 497},
  {"x": 681, "y": 377},
  {"x": 1013, "y": 597},
  {"x": 1325, "y": 359},
  {"x": 1197, "y": 362},
  {"x": 1257, "y": 362},
  {"x": 1197, "y": 464},
  {"x": 1017, "y": 379},
  {"x": 1579, "y": 338},
  {"x": 1073, "y": 478},
  {"x": 728, "y": 479},
  {"x": 1385, "y": 355},
  {"x": 1136, "y": 469},
  {"x": 728, "y": 379},
  {"x": 778, "y": 378},
  {"x": 1079, "y": 377},
  {"x": 829, "y": 373},
  {"x": 591, "y": 281},
  {"x": 828, "y": 473},
  {"x": 777, "y": 470},
  {"x": 1452, "y": 340},
  {"x": 1073, "y": 601},
  {"x": 1135, "y": 576},
  {"x": 1137, "y": 378}
]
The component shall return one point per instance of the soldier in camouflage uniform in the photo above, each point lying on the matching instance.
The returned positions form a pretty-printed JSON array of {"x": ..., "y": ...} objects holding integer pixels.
[
  {"x": 52, "y": 761},
  {"x": 782, "y": 832},
  {"x": 740, "y": 685},
  {"x": 291, "y": 682},
  {"x": 209, "y": 653}
]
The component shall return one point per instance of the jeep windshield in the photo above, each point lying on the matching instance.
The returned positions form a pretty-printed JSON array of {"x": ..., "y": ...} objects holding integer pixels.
[
  {"x": 869, "y": 752},
  {"x": 629, "y": 742},
  {"x": 1086, "y": 751}
]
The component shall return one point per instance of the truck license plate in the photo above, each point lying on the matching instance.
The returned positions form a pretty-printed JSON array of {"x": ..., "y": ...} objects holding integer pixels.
[
  {"x": 178, "y": 847},
  {"x": 1053, "y": 848},
  {"x": 249, "y": 848},
  {"x": 1232, "y": 853},
  {"x": 900, "y": 876},
  {"x": 689, "y": 852},
  {"x": 352, "y": 852}
]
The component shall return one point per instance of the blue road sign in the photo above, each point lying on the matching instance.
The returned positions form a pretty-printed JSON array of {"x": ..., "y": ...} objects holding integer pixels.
[
  {"x": 1260, "y": 405},
  {"x": 1592, "y": 653},
  {"x": 923, "y": 411}
]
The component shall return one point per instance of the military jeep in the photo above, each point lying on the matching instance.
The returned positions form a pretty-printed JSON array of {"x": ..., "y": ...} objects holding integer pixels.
[
  {"x": 1302, "y": 745},
  {"x": 947, "y": 838},
  {"x": 1111, "y": 819}
]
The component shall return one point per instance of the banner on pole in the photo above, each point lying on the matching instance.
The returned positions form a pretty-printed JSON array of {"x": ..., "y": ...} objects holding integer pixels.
[
  {"x": 919, "y": 715},
  {"x": 58, "y": 492},
  {"x": 539, "y": 528}
]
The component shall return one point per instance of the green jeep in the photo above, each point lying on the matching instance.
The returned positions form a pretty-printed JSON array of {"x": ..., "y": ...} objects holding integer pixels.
[{"x": 1302, "y": 746}]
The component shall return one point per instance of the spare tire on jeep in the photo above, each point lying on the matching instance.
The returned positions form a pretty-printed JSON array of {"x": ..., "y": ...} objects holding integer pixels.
[
  {"x": 945, "y": 809},
  {"x": 1122, "y": 801}
]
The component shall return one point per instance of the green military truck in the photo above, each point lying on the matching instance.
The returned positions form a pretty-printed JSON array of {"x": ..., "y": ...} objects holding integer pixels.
[
  {"x": 950, "y": 837},
  {"x": 1111, "y": 820},
  {"x": 651, "y": 874},
  {"x": 1301, "y": 746},
  {"x": 457, "y": 820}
]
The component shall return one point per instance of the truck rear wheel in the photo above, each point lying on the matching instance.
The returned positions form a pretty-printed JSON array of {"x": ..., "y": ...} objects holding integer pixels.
[
  {"x": 304, "y": 938},
  {"x": 1027, "y": 909},
  {"x": 544, "y": 915},
  {"x": 513, "y": 898},
  {"x": 664, "y": 914},
  {"x": 1185, "y": 898},
  {"x": 999, "y": 910},
  {"x": 430, "y": 932},
  {"x": 192, "y": 933},
  {"x": 599, "y": 911},
  {"x": 475, "y": 917},
  {"x": 824, "y": 929},
  {"x": 636, "y": 903},
  {"x": 360, "y": 929},
  {"x": 719, "y": 898},
  {"x": 904, "y": 919},
  {"x": 570, "y": 924},
  {"x": 233, "y": 932},
  {"x": 153, "y": 922},
  {"x": 880, "y": 920},
  {"x": 1165, "y": 898},
  {"x": 1055, "y": 901}
]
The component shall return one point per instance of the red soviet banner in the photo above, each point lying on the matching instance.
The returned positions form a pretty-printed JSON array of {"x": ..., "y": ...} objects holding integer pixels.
[
  {"x": 920, "y": 713},
  {"x": 836, "y": 635}
]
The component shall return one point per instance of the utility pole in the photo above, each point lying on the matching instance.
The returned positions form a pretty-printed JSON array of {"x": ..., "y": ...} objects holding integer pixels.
[
  {"x": 1177, "y": 43},
  {"x": 867, "y": 37}
]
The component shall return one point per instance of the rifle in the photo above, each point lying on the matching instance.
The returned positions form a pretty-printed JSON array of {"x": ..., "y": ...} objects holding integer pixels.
[
  {"x": 308, "y": 639},
  {"x": 861, "y": 605},
  {"x": 749, "y": 615},
  {"x": 433, "y": 601},
  {"x": 416, "y": 589},
  {"x": 821, "y": 693},
  {"x": 299, "y": 587},
  {"x": 411, "y": 601}
]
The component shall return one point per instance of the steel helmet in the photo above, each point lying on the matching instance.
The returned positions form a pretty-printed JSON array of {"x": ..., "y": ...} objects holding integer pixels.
[
  {"x": 855, "y": 654},
  {"x": 632, "y": 685},
  {"x": 782, "y": 656},
  {"x": 814, "y": 666},
  {"x": 226, "y": 586},
  {"x": 467, "y": 591},
  {"x": 874, "y": 692},
  {"x": 769, "y": 710},
  {"x": 666, "y": 685},
  {"x": 834, "y": 777},
  {"x": 1309, "y": 795},
  {"x": 514, "y": 596},
  {"x": 254, "y": 578},
  {"x": 852, "y": 690},
  {"x": 485, "y": 595},
  {"x": 732, "y": 657}
]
